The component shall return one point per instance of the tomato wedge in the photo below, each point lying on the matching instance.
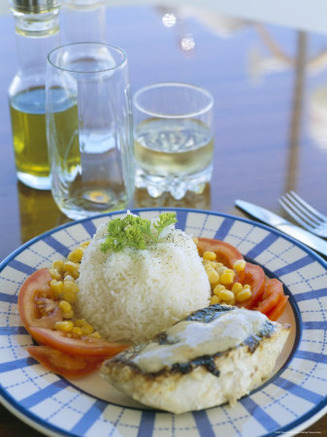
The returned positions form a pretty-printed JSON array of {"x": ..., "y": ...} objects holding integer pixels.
[
  {"x": 83, "y": 347},
  {"x": 271, "y": 297},
  {"x": 267, "y": 294},
  {"x": 36, "y": 303},
  {"x": 254, "y": 276},
  {"x": 63, "y": 364},
  {"x": 278, "y": 310},
  {"x": 226, "y": 253}
]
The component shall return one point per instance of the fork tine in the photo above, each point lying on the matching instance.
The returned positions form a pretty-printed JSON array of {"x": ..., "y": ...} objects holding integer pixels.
[
  {"x": 284, "y": 202},
  {"x": 301, "y": 210},
  {"x": 309, "y": 208}
]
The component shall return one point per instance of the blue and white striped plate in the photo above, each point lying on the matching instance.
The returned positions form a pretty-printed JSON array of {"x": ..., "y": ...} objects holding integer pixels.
[{"x": 294, "y": 398}]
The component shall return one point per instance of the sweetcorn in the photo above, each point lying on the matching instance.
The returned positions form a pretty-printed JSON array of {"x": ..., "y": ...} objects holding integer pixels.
[
  {"x": 222, "y": 280},
  {"x": 211, "y": 256},
  {"x": 76, "y": 254},
  {"x": 64, "y": 274}
]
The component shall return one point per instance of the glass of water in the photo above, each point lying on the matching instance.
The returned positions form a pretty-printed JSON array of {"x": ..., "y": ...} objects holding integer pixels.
[
  {"x": 173, "y": 138},
  {"x": 89, "y": 129}
]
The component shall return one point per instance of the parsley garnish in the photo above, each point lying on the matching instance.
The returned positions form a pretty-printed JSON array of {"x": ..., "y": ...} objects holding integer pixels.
[{"x": 135, "y": 232}]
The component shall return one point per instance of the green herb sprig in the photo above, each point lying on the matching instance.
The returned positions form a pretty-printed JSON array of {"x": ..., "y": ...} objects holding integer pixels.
[{"x": 135, "y": 232}]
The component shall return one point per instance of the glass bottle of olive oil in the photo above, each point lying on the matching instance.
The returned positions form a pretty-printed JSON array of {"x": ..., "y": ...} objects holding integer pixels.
[{"x": 37, "y": 32}]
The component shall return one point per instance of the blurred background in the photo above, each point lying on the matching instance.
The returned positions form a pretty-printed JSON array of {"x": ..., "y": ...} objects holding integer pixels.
[
  {"x": 307, "y": 15},
  {"x": 264, "y": 62}
]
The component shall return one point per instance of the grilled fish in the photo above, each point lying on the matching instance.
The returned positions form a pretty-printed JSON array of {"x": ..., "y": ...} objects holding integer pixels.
[{"x": 215, "y": 355}]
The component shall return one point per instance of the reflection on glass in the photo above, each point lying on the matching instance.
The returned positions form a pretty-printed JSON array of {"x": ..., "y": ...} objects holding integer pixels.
[
  {"x": 38, "y": 212},
  {"x": 278, "y": 60},
  {"x": 191, "y": 200},
  {"x": 318, "y": 116},
  {"x": 169, "y": 19},
  {"x": 187, "y": 42},
  {"x": 178, "y": 18}
]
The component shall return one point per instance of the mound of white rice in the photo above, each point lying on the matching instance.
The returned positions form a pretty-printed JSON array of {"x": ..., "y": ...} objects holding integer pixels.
[{"x": 130, "y": 296}]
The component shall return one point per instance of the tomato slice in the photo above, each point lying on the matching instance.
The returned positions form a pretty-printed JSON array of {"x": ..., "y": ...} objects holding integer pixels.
[
  {"x": 278, "y": 310},
  {"x": 271, "y": 297},
  {"x": 253, "y": 275},
  {"x": 64, "y": 364},
  {"x": 226, "y": 253},
  {"x": 84, "y": 347},
  {"x": 36, "y": 303},
  {"x": 267, "y": 294}
]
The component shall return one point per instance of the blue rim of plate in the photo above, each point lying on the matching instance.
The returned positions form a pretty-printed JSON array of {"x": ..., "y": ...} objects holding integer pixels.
[{"x": 258, "y": 240}]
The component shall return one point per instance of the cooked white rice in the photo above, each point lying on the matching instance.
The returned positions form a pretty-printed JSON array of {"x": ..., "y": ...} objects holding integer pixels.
[{"x": 134, "y": 294}]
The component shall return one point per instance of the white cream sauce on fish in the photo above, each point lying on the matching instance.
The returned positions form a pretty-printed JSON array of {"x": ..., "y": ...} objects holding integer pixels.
[{"x": 188, "y": 340}]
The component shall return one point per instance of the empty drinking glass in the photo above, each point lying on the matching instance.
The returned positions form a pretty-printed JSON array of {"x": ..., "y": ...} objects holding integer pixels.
[{"x": 89, "y": 128}]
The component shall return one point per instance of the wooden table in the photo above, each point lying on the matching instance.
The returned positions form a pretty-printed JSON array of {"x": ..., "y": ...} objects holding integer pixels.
[{"x": 270, "y": 90}]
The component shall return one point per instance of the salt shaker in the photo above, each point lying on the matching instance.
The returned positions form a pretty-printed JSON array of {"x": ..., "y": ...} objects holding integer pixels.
[{"x": 37, "y": 32}]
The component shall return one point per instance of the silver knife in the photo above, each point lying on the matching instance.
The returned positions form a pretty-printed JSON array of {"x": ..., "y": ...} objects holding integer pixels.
[{"x": 283, "y": 225}]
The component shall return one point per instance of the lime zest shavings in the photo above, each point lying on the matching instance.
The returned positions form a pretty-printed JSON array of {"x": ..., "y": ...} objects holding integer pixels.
[{"x": 135, "y": 232}]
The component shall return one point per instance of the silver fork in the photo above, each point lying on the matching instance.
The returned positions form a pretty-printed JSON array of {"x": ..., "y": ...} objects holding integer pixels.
[{"x": 304, "y": 214}]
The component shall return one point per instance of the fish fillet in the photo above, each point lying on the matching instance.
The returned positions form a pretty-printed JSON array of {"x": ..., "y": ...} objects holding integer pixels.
[{"x": 213, "y": 356}]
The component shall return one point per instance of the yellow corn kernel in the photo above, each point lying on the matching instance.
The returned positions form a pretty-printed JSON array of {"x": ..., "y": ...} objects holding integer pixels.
[
  {"x": 211, "y": 256},
  {"x": 226, "y": 296},
  {"x": 209, "y": 264},
  {"x": 66, "y": 309},
  {"x": 76, "y": 255},
  {"x": 69, "y": 296},
  {"x": 239, "y": 265},
  {"x": 218, "y": 288},
  {"x": 213, "y": 276},
  {"x": 243, "y": 295},
  {"x": 85, "y": 244},
  {"x": 68, "y": 277},
  {"x": 237, "y": 288},
  {"x": 76, "y": 331},
  {"x": 96, "y": 334},
  {"x": 65, "y": 306},
  {"x": 80, "y": 322},
  {"x": 65, "y": 326},
  {"x": 87, "y": 329},
  {"x": 57, "y": 287},
  {"x": 219, "y": 266},
  {"x": 68, "y": 315},
  {"x": 71, "y": 268},
  {"x": 227, "y": 276},
  {"x": 215, "y": 299},
  {"x": 70, "y": 291},
  {"x": 55, "y": 274},
  {"x": 71, "y": 285},
  {"x": 58, "y": 265}
]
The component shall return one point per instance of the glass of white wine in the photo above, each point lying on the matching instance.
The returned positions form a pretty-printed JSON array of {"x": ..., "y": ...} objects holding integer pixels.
[
  {"x": 173, "y": 138},
  {"x": 89, "y": 129}
]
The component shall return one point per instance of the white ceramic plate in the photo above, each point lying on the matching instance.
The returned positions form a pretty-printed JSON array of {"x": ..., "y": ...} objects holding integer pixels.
[{"x": 294, "y": 398}]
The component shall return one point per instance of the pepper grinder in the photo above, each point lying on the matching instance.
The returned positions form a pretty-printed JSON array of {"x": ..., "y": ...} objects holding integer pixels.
[{"x": 37, "y": 32}]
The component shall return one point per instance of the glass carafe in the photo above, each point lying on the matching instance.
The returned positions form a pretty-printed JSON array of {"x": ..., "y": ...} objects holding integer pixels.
[{"x": 37, "y": 32}]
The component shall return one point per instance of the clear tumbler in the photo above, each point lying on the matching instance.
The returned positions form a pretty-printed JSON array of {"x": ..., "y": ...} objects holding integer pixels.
[
  {"x": 89, "y": 129},
  {"x": 174, "y": 141}
]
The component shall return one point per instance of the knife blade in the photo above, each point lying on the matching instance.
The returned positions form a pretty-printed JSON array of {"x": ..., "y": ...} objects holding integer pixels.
[{"x": 283, "y": 225}]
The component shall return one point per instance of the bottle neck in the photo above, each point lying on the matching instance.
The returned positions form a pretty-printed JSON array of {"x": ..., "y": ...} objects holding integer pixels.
[
  {"x": 36, "y": 35},
  {"x": 37, "y": 25},
  {"x": 32, "y": 52}
]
